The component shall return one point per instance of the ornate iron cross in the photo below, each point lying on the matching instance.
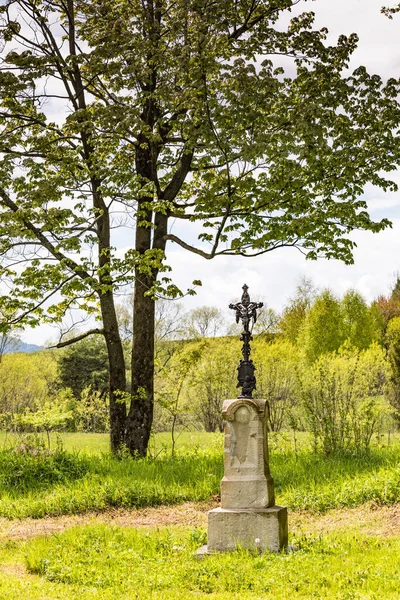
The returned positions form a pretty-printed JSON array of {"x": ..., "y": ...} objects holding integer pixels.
[{"x": 246, "y": 311}]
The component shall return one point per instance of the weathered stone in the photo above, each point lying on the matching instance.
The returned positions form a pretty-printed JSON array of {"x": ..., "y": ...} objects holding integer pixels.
[
  {"x": 247, "y": 482},
  {"x": 254, "y": 529},
  {"x": 247, "y": 517}
]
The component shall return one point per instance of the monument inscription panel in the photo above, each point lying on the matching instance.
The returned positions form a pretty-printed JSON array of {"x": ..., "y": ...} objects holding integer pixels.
[{"x": 247, "y": 482}]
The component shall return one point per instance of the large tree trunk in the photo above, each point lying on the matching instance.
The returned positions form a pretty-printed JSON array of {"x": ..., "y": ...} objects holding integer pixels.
[{"x": 140, "y": 417}]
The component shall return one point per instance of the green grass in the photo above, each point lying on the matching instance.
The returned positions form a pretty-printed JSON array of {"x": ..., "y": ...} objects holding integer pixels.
[
  {"x": 112, "y": 563},
  {"x": 102, "y": 562},
  {"x": 318, "y": 483},
  {"x": 113, "y": 483},
  {"x": 70, "y": 482},
  {"x": 99, "y": 443}
]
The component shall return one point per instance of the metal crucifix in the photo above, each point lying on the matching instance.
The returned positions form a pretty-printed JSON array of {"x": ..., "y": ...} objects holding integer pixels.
[{"x": 246, "y": 311}]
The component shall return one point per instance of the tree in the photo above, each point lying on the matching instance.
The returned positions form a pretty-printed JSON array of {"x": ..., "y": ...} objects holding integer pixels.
[
  {"x": 90, "y": 411},
  {"x": 343, "y": 398},
  {"x": 174, "y": 378},
  {"x": 214, "y": 380},
  {"x": 267, "y": 322},
  {"x": 50, "y": 417},
  {"x": 395, "y": 295},
  {"x": 8, "y": 343},
  {"x": 393, "y": 345},
  {"x": 323, "y": 329},
  {"x": 383, "y": 310},
  {"x": 27, "y": 381},
  {"x": 294, "y": 315},
  {"x": 205, "y": 321},
  {"x": 358, "y": 322},
  {"x": 84, "y": 364},
  {"x": 173, "y": 111},
  {"x": 277, "y": 365}
]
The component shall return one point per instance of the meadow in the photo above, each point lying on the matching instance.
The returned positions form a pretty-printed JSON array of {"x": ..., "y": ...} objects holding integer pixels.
[{"x": 100, "y": 560}]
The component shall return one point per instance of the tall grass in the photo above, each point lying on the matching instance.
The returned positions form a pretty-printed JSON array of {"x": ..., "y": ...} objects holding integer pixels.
[
  {"x": 67, "y": 483},
  {"x": 305, "y": 481},
  {"x": 62, "y": 482}
]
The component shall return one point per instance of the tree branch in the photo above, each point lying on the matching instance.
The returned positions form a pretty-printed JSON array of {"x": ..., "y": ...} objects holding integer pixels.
[
  {"x": 179, "y": 177},
  {"x": 78, "y": 338},
  {"x": 69, "y": 263}
]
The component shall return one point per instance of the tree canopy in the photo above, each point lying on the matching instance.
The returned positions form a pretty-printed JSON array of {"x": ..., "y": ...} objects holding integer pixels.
[{"x": 119, "y": 120}]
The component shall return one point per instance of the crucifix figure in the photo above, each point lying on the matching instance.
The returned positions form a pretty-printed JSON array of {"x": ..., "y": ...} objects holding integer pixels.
[{"x": 246, "y": 311}]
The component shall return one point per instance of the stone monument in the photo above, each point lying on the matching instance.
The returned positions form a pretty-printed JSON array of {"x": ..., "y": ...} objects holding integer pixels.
[{"x": 248, "y": 517}]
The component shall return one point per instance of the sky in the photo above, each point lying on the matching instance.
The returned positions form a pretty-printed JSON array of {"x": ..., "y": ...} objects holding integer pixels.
[{"x": 275, "y": 275}]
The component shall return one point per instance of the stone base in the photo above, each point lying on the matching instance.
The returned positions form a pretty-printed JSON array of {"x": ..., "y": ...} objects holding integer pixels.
[{"x": 255, "y": 529}]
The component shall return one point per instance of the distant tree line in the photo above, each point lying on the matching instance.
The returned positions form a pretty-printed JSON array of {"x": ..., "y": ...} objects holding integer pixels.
[{"x": 328, "y": 365}]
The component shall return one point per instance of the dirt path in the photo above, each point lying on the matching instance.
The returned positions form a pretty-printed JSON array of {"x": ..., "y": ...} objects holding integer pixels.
[
  {"x": 189, "y": 513},
  {"x": 367, "y": 519}
]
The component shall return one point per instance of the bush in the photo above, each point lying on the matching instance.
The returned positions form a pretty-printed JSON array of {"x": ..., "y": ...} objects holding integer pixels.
[
  {"x": 342, "y": 396},
  {"x": 277, "y": 379}
]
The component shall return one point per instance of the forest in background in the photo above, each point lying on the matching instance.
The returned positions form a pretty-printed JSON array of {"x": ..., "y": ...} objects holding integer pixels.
[{"x": 327, "y": 365}]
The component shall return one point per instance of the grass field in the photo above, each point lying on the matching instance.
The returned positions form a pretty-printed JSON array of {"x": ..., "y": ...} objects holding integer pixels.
[
  {"x": 113, "y": 563},
  {"x": 83, "y": 478},
  {"x": 100, "y": 561},
  {"x": 99, "y": 443}
]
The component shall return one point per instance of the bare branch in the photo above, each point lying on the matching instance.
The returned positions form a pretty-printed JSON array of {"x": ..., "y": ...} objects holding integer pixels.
[{"x": 78, "y": 338}]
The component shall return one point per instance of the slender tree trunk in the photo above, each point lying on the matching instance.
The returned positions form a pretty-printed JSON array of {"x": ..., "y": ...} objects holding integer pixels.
[
  {"x": 112, "y": 336},
  {"x": 117, "y": 372},
  {"x": 140, "y": 417}
]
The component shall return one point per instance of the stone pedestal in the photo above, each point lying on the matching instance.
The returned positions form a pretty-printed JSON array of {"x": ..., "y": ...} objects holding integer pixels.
[
  {"x": 248, "y": 516},
  {"x": 254, "y": 528}
]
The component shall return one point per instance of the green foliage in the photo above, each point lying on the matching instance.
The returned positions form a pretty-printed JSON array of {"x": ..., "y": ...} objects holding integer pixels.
[
  {"x": 91, "y": 412},
  {"x": 174, "y": 377},
  {"x": 294, "y": 314},
  {"x": 323, "y": 326},
  {"x": 27, "y": 381},
  {"x": 322, "y": 323},
  {"x": 214, "y": 381},
  {"x": 342, "y": 396},
  {"x": 359, "y": 328},
  {"x": 84, "y": 364},
  {"x": 50, "y": 417},
  {"x": 277, "y": 366}
]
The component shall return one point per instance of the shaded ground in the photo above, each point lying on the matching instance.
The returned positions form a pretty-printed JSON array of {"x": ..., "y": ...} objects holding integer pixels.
[{"x": 368, "y": 519}]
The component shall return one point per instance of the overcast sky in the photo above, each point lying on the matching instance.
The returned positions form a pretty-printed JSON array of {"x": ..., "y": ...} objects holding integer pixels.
[{"x": 275, "y": 275}]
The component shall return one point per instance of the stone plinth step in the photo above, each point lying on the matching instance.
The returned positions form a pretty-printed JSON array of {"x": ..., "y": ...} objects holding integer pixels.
[{"x": 259, "y": 529}]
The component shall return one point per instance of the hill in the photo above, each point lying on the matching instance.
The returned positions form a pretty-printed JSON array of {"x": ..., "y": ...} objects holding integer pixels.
[{"x": 13, "y": 345}]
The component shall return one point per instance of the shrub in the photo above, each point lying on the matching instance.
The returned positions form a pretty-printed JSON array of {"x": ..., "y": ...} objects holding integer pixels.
[{"x": 342, "y": 396}]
